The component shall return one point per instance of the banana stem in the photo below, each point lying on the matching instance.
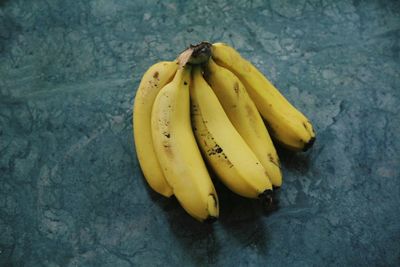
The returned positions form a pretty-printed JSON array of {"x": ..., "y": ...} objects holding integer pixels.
[{"x": 195, "y": 54}]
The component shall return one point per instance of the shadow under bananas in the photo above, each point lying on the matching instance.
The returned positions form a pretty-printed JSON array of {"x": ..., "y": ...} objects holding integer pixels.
[
  {"x": 293, "y": 161},
  {"x": 240, "y": 224},
  {"x": 196, "y": 240},
  {"x": 3, "y": 2},
  {"x": 242, "y": 220}
]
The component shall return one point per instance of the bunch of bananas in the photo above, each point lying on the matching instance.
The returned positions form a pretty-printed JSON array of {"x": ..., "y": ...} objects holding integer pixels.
[{"x": 208, "y": 106}]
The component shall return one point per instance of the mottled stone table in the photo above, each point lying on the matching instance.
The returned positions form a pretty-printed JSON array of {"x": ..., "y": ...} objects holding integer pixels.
[{"x": 71, "y": 190}]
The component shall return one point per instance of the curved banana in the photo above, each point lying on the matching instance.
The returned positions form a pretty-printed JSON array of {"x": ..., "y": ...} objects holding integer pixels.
[
  {"x": 177, "y": 151},
  {"x": 223, "y": 147},
  {"x": 156, "y": 77},
  {"x": 244, "y": 115},
  {"x": 287, "y": 125}
]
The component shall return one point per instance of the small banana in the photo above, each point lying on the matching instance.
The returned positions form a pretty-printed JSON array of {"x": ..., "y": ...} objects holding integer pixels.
[
  {"x": 156, "y": 77},
  {"x": 177, "y": 151},
  {"x": 244, "y": 115},
  {"x": 223, "y": 147},
  {"x": 287, "y": 125}
]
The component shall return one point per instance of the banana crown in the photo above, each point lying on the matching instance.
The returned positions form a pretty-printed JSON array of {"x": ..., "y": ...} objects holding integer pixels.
[{"x": 210, "y": 104}]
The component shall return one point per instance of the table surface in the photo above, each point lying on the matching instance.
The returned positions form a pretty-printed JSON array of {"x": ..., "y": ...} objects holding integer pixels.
[{"x": 72, "y": 193}]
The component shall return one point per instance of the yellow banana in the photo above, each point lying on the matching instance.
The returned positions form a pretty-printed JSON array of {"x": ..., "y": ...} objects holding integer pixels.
[
  {"x": 156, "y": 77},
  {"x": 287, "y": 125},
  {"x": 244, "y": 115},
  {"x": 177, "y": 151},
  {"x": 223, "y": 147}
]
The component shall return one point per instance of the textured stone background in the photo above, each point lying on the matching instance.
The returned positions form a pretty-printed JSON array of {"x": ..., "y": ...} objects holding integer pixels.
[{"x": 71, "y": 191}]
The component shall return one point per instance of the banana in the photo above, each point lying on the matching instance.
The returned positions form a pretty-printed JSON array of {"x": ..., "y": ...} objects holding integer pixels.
[
  {"x": 223, "y": 147},
  {"x": 287, "y": 125},
  {"x": 244, "y": 115},
  {"x": 156, "y": 77},
  {"x": 177, "y": 151}
]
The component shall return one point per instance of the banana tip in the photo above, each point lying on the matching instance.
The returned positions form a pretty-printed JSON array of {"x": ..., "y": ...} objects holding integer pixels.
[
  {"x": 309, "y": 144},
  {"x": 268, "y": 201},
  {"x": 210, "y": 219}
]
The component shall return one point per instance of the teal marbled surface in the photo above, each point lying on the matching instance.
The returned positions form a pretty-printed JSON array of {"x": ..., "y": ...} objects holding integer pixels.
[{"x": 71, "y": 190}]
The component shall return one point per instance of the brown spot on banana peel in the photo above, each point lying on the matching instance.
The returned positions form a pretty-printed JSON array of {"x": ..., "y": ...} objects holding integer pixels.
[
  {"x": 272, "y": 160},
  {"x": 215, "y": 150},
  {"x": 250, "y": 111},
  {"x": 155, "y": 75},
  {"x": 310, "y": 129},
  {"x": 167, "y": 148},
  {"x": 307, "y": 129},
  {"x": 236, "y": 88}
]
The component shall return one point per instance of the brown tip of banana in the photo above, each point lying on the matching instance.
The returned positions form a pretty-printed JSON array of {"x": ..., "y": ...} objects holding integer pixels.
[
  {"x": 210, "y": 219},
  {"x": 268, "y": 201},
  {"x": 308, "y": 145}
]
